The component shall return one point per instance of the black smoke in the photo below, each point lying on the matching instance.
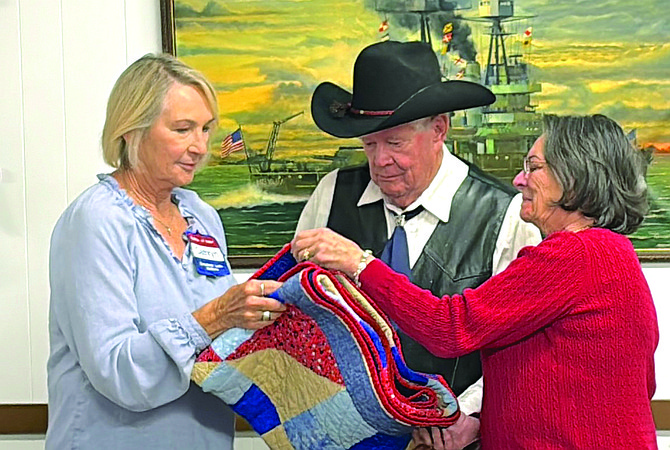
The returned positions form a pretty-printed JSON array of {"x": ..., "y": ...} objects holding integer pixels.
[{"x": 408, "y": 13}]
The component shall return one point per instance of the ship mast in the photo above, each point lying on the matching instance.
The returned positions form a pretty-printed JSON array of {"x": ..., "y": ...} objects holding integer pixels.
[
  {"x": 507, "y": 75},
  {"x": 425, "y": 28},
  {"x": 272, "y": 141},
  {"x": 496, "y": 66}
]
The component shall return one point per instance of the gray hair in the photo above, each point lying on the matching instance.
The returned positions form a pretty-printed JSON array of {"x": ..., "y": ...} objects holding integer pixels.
[
  {"x": 600, "y": 171},
  {"x": 425, "y": 123},
  {"x": 137, "y": 100}
]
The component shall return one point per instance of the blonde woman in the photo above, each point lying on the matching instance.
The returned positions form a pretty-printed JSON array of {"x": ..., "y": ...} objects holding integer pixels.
[{"x": 140, "y": 281}]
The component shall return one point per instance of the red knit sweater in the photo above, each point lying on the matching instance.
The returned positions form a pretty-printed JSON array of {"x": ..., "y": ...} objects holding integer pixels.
[{"x": 567, "y": 334}]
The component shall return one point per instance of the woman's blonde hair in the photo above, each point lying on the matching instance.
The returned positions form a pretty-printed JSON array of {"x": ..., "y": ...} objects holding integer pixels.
[{"x": 137, "y": 100}]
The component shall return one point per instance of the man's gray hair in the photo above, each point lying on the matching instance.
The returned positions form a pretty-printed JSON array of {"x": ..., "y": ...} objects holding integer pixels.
[
  {"x": 600, "y": 171},
  {"x": 424, "y": 123}
]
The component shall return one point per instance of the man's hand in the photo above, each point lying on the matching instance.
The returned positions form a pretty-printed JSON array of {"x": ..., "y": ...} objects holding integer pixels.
[
  {"x": 328, "y": 249},
  {"x": 462, "y": 433}
]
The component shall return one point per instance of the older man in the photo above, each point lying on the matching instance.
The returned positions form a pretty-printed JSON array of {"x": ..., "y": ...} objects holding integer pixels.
[{"x": 440, "y": 220}]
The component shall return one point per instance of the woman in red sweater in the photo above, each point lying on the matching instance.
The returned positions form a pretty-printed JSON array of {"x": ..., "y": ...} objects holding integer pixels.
[{"x": 568, "y": 332}]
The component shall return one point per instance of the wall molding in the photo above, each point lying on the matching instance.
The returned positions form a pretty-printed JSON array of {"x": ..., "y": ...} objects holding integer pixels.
[{"x": 32, "y": 419}]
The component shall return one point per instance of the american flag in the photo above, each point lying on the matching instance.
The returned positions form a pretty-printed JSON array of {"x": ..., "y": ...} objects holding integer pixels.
[{"x": 232, "y": 143}]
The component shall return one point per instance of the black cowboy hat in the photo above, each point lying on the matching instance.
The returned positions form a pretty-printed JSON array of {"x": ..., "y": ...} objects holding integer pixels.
[{"x": 394, "y": 83}]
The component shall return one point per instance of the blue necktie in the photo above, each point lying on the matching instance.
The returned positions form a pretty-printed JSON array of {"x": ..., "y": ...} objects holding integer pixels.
[{"x": 395, "y": 253}]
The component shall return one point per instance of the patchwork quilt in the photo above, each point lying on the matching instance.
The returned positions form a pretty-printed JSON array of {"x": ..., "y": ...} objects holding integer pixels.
[{"x": 328, "y": 374}]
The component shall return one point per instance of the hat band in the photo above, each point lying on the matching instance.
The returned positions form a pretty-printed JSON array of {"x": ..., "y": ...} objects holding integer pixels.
[
  {"x": 362, "y": 112},
  {"x": 338, "y": 109}
]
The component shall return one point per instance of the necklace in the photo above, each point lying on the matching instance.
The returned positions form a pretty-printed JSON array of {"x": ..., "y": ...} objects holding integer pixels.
[
  {"x": 154, "y": 214},
  {"x": 167, "y": 228},
  {"x": 142, "y": 202}
]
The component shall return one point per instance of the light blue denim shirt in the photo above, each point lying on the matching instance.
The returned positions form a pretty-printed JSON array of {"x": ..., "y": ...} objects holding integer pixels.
[{"x": 123, "y": 340}]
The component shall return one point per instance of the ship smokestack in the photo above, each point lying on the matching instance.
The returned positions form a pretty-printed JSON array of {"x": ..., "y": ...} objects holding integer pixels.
[{"x": 408, "y": 14}]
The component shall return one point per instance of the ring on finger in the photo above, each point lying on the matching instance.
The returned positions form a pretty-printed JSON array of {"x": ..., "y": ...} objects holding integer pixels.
[
  {"x": 267, "y": 316},
  {"x": 263, "y": 290},
  {"x": 305, "y": 255}
]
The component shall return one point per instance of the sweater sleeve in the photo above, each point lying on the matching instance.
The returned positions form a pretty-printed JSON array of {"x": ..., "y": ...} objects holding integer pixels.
[{"x": 538, "y": 287}]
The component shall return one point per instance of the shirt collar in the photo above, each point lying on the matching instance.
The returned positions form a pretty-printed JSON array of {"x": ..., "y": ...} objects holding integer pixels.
[{"x": 437, "y": 197}]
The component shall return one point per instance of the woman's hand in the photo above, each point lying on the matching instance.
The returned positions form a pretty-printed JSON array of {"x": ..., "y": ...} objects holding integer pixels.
[
  {"x": 244, "y": 306},
  {"x": 462, "y": 433},
  {"x": 328, "y": 249}
]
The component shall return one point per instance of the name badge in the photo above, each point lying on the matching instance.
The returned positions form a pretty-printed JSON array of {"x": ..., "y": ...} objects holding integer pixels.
[{"x": 207, "y": 256}]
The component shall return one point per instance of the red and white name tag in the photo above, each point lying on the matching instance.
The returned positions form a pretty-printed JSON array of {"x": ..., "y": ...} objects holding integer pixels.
[{"x": 207, "y": 255}]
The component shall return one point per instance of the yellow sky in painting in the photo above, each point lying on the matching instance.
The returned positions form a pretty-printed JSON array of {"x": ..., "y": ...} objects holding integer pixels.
[
  {"x": 265, "y": 59},
  {"x": 245, "y": 99}
]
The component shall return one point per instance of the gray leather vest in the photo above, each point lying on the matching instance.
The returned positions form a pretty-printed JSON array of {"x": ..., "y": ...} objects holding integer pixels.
[{"x": 457, "y": 256}]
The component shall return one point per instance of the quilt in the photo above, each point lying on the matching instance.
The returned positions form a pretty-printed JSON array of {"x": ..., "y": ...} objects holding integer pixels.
[{"x": 328, "y": 374}]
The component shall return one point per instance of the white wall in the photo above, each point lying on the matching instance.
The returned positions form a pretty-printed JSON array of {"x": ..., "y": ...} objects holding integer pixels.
[
  {"x": 59, "y": 60},
  {"x": 658, "y": 277}
]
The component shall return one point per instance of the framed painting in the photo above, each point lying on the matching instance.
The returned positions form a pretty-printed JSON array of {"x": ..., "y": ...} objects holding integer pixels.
[{"x": 265, "y": 58}]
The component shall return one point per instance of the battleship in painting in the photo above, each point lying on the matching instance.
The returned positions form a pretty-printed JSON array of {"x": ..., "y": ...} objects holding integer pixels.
[{"x": 495, "y": 137}]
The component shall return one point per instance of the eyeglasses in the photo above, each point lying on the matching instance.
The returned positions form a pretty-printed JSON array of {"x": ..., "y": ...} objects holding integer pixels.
[{"x": 531, "y": 165}]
